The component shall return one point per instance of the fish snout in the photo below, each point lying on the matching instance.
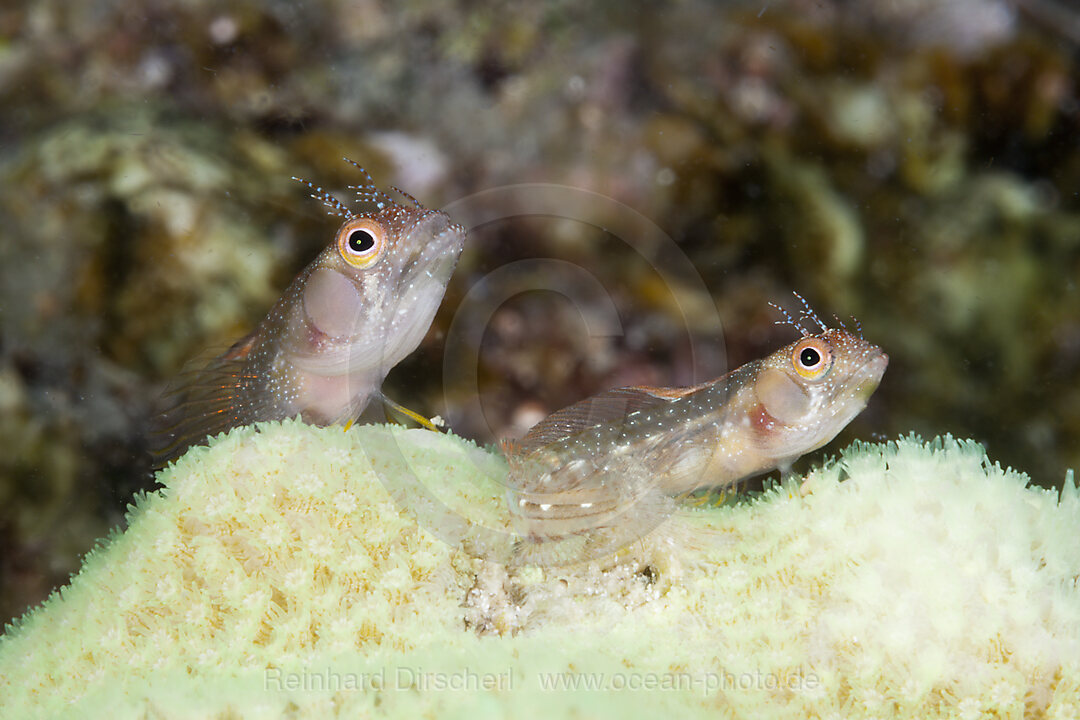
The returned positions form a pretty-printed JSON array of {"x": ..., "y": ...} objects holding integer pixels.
[{"x": 438, "y": 230}]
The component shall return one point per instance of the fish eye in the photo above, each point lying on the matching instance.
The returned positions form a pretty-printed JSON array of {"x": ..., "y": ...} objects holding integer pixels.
[
  {"x": 811, "y": 358},
  {"x": 361, "y": 242}
]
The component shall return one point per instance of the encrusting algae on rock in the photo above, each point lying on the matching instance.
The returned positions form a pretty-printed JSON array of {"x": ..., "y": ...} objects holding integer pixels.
[{"x": 280, "y": 572}]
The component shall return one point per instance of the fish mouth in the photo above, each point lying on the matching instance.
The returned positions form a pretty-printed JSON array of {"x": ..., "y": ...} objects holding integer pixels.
[
  {"x": 869, "y": 375},
  {"x": 439, "y": 253},
  {"x": 444, "y": 233}
]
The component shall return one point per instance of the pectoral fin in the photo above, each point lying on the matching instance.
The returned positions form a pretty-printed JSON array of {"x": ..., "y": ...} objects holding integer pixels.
[{"x": 204, "y": 402}]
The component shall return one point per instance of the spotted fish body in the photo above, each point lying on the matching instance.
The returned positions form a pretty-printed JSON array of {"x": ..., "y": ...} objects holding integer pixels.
[
  {"x": 605, "y": 470},
  {"x": 322, "y": 352}
]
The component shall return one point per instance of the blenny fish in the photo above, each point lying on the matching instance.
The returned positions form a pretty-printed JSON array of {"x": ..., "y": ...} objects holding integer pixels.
[
  {"x": 605, "y": 470},
  {"x": 322, "y": 352}
]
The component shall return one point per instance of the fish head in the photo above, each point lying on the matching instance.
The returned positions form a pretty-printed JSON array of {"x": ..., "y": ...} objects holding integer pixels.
[
  {"x": 322, "y": 352},
  {"x": 808, "y": 391},
  {"x": 368, "y": 299}
]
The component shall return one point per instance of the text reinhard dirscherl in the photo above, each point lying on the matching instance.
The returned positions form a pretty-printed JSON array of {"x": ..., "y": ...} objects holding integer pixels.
[
  {"x": 466, "y": 680},
  {"x": 398, "y": 678}
]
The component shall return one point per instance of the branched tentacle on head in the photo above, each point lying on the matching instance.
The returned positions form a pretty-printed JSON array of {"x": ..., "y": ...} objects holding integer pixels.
[
  {"x": 367, "y": 192},
  {"x": 407, "y": 196},
  {"x": 788, "y": 320},
  {"x": 335, "y": 206},
  {"x": 806, "y": 313},
  {"x": 854, "y": 320}
]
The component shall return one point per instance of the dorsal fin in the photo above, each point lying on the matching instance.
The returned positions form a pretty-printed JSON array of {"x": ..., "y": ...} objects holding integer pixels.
[
  {"x": 240, "y": 349},
  {"x": 607, "y": 407}
]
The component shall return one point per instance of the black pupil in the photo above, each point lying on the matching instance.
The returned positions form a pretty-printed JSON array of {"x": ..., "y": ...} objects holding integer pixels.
[
  {"x": 809, "y": 357},
  {"x": 360, "y": 241}
]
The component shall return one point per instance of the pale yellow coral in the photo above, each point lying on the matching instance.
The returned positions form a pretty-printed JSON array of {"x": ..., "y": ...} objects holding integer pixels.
[{"x": 282, "y": 572}]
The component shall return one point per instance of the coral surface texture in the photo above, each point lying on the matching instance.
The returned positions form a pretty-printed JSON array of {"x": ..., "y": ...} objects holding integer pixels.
[{"x": 292, "y": 571}]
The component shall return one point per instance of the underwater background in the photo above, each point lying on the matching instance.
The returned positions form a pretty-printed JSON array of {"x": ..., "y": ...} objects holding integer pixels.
[{"x": 911, "y": 163}]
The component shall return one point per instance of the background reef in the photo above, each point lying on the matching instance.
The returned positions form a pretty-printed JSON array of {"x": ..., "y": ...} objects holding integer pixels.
[{"x": 914, "y": 164}]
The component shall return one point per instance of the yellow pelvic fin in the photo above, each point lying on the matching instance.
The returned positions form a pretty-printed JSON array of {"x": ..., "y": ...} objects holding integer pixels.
[{"x": 414, "y": 416}]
